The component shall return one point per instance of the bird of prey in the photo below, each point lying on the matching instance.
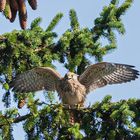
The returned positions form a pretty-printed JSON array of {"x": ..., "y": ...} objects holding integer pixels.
[{"x": 72, "y": 88}]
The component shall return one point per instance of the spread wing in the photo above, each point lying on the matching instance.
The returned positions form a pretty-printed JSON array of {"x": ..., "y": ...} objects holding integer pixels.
[
  {"x": 101, "y": 74},
  {"x": 36, "y": 79}
]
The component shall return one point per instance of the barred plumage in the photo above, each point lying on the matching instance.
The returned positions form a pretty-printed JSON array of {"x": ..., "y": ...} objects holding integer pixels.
[{"x": 72, "y": 88}]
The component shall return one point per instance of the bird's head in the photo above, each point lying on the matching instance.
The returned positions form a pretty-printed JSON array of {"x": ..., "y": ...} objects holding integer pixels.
[{"x": 70, "y": 75}]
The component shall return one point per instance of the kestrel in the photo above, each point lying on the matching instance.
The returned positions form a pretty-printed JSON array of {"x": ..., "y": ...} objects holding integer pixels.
[{"x": 72, "y": 88}]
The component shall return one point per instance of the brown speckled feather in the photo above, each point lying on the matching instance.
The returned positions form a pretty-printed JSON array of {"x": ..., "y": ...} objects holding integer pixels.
[
  {"x": 36, "y": 79},
  {"x": 101, "y": 74}
]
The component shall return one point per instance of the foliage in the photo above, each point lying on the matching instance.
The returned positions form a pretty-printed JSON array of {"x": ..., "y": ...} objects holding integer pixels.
[
  {"x": 26, "y": 49},
  {"x": 106, "y": 119}
]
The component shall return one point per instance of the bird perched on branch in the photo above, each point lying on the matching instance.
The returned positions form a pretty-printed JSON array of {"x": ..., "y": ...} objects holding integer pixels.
[{"x": 72, "y": 88}]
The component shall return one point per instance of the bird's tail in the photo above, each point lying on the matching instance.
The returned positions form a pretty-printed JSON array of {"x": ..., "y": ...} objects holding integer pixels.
[
  {"x": 21, "y": 103},
  {"x": 75, "y": 116}
]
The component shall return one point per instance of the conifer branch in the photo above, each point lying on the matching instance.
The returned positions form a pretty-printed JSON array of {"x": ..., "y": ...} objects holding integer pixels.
[{"x": 21, "y": 118}]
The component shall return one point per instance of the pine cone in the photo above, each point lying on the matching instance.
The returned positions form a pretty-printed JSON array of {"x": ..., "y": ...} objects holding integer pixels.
[
  {"x": 21, "y": 103},
  {"x": 33, "y": 4},
  {"x": 22, "y": 14},
  {"x": 13, "y": 4},
  {"x": 2, "y": 5},
  {"x": 14, "y": 13},
  {"x": 7, "y": 10}
]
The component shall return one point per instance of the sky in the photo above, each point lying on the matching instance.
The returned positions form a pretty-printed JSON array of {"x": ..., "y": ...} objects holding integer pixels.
[{"x": 128, "y": 51}]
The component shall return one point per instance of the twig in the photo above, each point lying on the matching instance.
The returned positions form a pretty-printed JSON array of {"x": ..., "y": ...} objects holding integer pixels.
[
  {"x": 39, "y": 49},
  {"x": 21, "y": 118},
  {"x": 15, "y": 120}
]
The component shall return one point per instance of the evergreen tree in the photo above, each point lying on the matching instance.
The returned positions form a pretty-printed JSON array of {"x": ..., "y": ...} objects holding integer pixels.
[{"x": 26, "y": 49}]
